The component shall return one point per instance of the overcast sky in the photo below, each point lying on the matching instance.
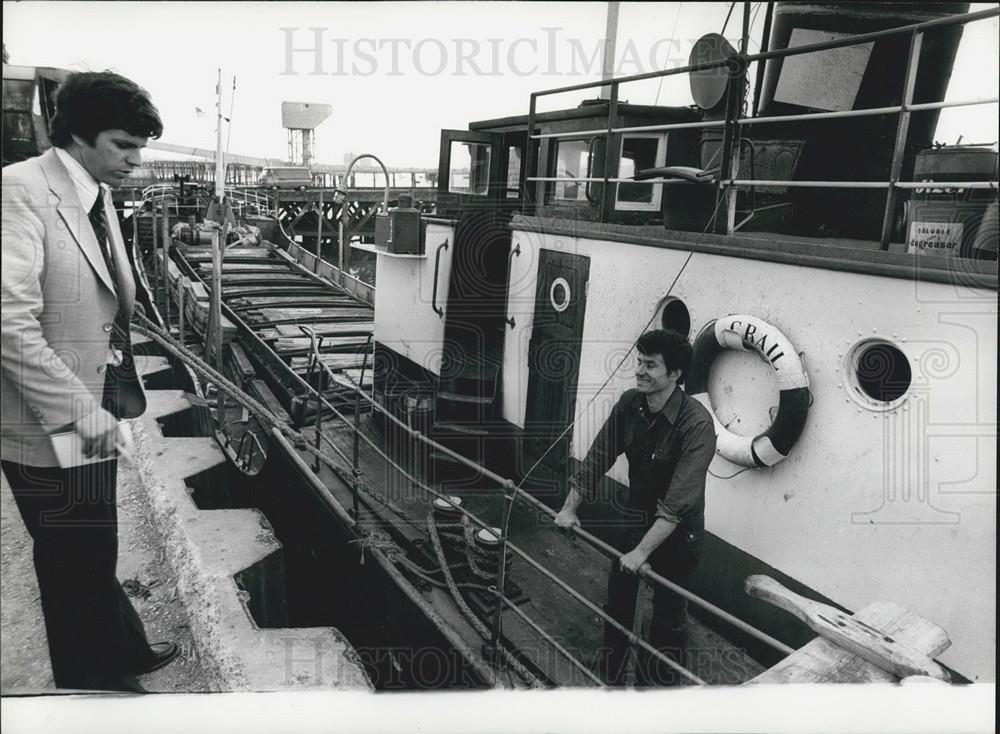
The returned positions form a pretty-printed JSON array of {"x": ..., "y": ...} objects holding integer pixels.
[{"x": 395, "y": 73}]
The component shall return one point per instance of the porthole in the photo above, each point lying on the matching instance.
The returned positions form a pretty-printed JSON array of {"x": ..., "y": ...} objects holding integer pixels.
[
  {"x": 674, "y": 316},
  {"x": 878, "y": 374},
  {"x": 559, "y": 294}
]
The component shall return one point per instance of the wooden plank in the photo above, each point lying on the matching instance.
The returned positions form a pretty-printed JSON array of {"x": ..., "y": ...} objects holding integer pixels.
[
  {"x": 822, "y": 661},
  {"x": 354, "y": 315},
  {"x": 355, "y": 375},
  {"x": 349, "y": 328},
  {"x": 867, "y": 642},
  {"x": 327, "y": 300},
  {"x": 255, "y": 267},
  {"x": 285, "y": 291},
  {"x": 330, "y": 308},
  {"x": 330, "y": 344},
  {"x": 333, "y": 361},
  {"x": 244, "y": 367},
  {"x": 235, "y": 254},
  {"x": 264, "y": 394},
  {"x": 278, "y": 276}
]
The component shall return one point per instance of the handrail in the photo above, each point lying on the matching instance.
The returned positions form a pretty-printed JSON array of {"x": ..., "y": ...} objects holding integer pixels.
[
  {"x": 778, "y": 182},
  {"x": 960, "y": 19},
  {"x": 583, "y": 534},
  {"x": 340, "y": 197},
  {"x": 733, "y": 114},
  {"x": 708, "y": 124},
  {"x": 437, "y": 265}
]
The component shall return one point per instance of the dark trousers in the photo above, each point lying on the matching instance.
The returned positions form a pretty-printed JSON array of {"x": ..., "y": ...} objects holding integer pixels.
[
  {"x": 674, "y": 560},
  {"x": 95, "y": 635}
]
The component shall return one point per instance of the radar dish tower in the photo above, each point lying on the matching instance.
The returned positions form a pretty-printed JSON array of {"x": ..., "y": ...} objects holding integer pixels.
[{"x": 301, "y": 119}]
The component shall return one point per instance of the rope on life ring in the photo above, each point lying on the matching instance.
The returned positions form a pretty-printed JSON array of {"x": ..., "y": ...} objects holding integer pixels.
[{"x": 749, "y": 333}]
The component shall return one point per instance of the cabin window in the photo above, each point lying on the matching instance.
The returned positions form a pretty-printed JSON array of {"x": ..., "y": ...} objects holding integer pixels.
[
  {"x": 513, "y": 172},
  {"x": 572, "y": 161},
  {"x": 469, "y": 168},
  {"x": 639, "y": 152}
]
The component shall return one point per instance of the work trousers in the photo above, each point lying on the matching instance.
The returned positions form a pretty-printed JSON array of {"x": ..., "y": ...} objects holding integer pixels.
[
  {"x": 675, "y": 559},
  {"x": 95, "y": 635}
]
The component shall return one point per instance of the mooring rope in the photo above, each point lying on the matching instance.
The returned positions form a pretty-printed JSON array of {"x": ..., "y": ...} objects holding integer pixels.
[{"x": 514, "y": 663}]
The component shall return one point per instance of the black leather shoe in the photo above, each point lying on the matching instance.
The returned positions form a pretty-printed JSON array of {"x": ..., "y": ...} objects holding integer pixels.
[{"x": 160, "y": 654}]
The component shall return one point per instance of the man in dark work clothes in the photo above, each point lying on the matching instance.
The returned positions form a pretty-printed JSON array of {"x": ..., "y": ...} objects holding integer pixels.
[{"x": 669, "y": 440}]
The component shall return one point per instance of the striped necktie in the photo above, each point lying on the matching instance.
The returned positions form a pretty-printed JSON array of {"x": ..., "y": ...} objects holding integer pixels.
[
  {"x": 101, "y": 232},
  {"x": 119, "y": 332}
]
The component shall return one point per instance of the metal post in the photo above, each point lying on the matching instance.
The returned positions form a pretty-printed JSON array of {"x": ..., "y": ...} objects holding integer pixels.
[
  {"x": 156, "y": 262},
  {"x": 340, "y": 237},
  {"x": 509, "y": 491},
  {"x": 364, "y": 365},
  {"x": 320, "y": 384},
  {"x": 165, "y": 235},
  {"x": 215, "y": 302},
  {"x": 610, "y": 151},
  {"x": 537, "y": 191},
  {"x": 220, "y": 164},
  {"x": 765, "y": 45},
  {"x": 183, "y": 284},
  {"x": 730, "y": 148},
  {"x": 319, "y": 232},
  {"x": 357, "y": 424},
  {"x": 135, "y": 229},
  {"x": 610, "y": 43},
  {"x": 902, "y": 129}
]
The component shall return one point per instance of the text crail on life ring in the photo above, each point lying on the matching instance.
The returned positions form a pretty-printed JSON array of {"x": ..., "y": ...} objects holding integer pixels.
[{"x": 748, "y": 333}]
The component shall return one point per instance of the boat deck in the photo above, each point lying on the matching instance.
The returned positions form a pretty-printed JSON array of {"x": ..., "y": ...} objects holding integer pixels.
[
  {"x": 389, "y": 497},
  {"x": 269, "y": 297}
]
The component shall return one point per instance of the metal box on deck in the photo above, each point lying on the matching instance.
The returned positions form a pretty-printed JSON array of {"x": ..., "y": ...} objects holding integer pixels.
[{"x": 399, "y": 231}]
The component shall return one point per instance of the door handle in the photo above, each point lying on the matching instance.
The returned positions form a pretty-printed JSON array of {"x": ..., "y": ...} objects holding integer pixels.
[
  {"x": 437, "y": 265},
  {"x": 590, "y": 170},
  {"x": 516, "y": 251}
]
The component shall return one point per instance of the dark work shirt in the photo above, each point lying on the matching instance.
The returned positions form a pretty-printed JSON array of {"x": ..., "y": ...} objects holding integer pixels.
[{"x": 668, "y": 455}]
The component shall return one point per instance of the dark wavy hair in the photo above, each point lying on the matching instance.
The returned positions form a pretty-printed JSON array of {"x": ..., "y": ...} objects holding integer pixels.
[
  {"x": 675, "y": 349},
  {"x": 88, "y": 103}
]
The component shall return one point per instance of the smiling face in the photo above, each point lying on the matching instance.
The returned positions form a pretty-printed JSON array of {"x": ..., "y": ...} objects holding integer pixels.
[
  {"x": 652, "y": 376},
  {"x": 112, "y": 157}
]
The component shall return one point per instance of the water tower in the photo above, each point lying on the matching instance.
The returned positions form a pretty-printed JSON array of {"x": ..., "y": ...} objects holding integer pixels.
[{"x": 301, "y": 120}]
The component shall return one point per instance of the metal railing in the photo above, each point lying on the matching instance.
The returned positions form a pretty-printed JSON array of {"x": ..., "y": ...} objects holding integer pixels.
[
  {"x": 738, "y": 66},
  {"x": 512, "y": 493},
  {"x": 318, "y": 367}
]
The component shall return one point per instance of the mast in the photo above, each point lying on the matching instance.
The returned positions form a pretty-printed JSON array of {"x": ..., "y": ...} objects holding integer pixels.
[
  {"x": 217, "y": 211},
  {"x": 220, "y": 164},
  {"x": 610, "y": 42}
]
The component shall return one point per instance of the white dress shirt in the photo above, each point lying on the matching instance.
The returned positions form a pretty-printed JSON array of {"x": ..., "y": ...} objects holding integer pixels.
[{"x": 87, "y": 187}]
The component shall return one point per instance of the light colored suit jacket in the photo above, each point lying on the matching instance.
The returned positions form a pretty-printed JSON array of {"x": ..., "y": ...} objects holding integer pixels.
[{"x": 59, "y": 305}]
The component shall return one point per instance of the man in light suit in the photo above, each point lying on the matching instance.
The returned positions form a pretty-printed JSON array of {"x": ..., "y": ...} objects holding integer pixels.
[{"x": 67, "y": 366}]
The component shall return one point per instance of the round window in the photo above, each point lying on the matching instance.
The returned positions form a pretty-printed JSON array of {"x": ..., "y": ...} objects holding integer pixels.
[
  {"x": 559, "y": 294},
  {"x": 878, "y": 374},
  {"x": 674, "y": 316}
]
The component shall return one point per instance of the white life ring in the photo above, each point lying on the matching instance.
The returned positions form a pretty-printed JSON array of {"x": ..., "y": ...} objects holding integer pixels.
[{"x": 748, "y": 333}]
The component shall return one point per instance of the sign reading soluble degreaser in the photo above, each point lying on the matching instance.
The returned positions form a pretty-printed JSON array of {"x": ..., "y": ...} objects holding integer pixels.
[{"x": 934, "y": 238}]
